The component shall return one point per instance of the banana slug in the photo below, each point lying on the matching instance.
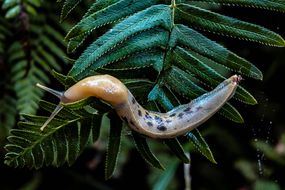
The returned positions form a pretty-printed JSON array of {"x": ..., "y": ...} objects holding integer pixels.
[{"x": 176, "y": 122}]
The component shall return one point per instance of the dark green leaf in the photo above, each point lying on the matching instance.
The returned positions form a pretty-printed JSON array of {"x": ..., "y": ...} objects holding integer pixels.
[
  {"x": 177, "y": 149},
  {"x": 33, "y": 148},
  {"x": 228, "y": 26},
  {"x": 149, "y": 58},
  {"x": 187, "y": 60},
  {"x": 200, "y": 144},
  {"x": 208, "y": 48},
  {"x": 276, "y": 5},
  {"x": 97, "y": 18},
  {"x": 159, "y": 15},
  {"x": 114, "y": 143},
  {"x": 145, "y": 151},
  {"x": 68, "y": 6},
  {"x": 166, "y": 178}
]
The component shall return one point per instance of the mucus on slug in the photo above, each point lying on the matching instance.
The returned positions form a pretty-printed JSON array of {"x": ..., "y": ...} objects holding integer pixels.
[{"x": 176, "y": 122}]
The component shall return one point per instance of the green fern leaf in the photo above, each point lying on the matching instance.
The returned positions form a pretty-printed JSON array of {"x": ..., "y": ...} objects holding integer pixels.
[
  {"x": 8, "y": 113},
  {"x": 65, "y": 113},
  {"x": 68, "y": 6},
  {"x": 231, "y": 113},
  {"x": 175, "y": 146},
  {"x": 167, "y": 176},
  {"x": 155, "y": 38},
  {"x": 214, "y": 22},
  {"x": 64, "y": 80},
  {"x": 32, "y": 148},
  {"x": 275, "y": 5},
  {"x": 200, "y": 144},
  {"x": 26, "y": 148},
  {"x": 158, "y": 94},
  {"x": 145, "y": 151},
  {"x": 99, "y": 5},
  {"x": 113, "y": 145},
  {"x": 159, "y": 15},
  {"x": 9, "y": 3},
  {"x": 186, "y": 60},
  {"x": 13, "y": 12},
  {"x": 104, "y": 16},
  {"x": 152, "y": 58},
  {"x": 208, "y": 48},
  {"x": 95, "y": 127},
  {"x": 53, "y": 47},
  {"x": 138, "y": 86}
]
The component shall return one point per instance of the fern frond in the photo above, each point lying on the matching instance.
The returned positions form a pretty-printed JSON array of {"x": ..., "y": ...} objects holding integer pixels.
[
  {"x": 139, "y": 43},
  {"x": 186, "y": 60},
  {"x": 13, "y": 8},
  {"x": 213, "y": 22},
  {"x": 202, "y": 45},
  {"x": 8, "y": 113},
  {"x": 114, "y": 143},
  {"x": 159, "y": 15},
  {"x": 27, "y": 94},
  {"x": 175, "y": 146},
  {"x": 104, "y": 16},
  {"x": 29, "y": 147},
  {"x": 143, "y": 148},
  {"x": 274, "y": 5},
  {"x": 68, "y": 6},
  {"x": 153, "y": 57},
  {"x": 201, "y": 145}
]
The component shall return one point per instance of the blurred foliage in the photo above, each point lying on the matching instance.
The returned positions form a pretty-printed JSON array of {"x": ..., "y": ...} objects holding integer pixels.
[
  {"x": 169, "y": 64},
  {"x": 31, "y": 45}
]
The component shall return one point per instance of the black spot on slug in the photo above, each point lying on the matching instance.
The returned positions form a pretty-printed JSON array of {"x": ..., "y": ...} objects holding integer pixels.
[
  {"x": 180, "y": 115},
  {"x": 158, "y": 119},
  {"x": 147, "y": 115},
  {"x": 132, "y": 123},
  {"x": 133, "y": 100},
  {"x": 149, "y": 124},
  {"x": 168, "y": 121},
  {"x": 187, "y": 109},
  {"x": 139, "y": 112},
  {"x": 172, "y": 115},
  {"x": 198, "y": 108},
  {"x": 161, "y": 128}
]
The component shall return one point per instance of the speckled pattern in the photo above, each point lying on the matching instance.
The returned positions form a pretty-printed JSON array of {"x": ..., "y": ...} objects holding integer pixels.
[{"x": 181, "y": 119}]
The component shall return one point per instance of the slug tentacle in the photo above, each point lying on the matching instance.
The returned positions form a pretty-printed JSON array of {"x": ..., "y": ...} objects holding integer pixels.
[{"x": 176, "y": 122}]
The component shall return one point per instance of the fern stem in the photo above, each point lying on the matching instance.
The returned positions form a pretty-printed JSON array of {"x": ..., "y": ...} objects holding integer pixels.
[{"x": 173, "y": 7}]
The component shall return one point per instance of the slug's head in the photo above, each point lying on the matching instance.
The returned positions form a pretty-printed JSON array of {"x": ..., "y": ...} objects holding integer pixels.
[{"x": 104, "y": 87}]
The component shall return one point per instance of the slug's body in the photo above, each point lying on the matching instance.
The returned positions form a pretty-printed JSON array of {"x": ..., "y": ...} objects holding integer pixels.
[{"x": 178, "y": 121}]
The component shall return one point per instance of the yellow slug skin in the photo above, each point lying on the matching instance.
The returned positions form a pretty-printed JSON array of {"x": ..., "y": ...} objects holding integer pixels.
[{"x": 105, "y": 87}]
